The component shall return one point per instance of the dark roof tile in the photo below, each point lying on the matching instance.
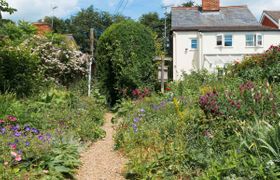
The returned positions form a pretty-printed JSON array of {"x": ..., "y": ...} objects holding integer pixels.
[{"x": 232, "y": 18}]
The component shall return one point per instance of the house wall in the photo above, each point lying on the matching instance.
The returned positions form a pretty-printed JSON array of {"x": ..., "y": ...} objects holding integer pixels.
[{"x": 185, "y": 59}]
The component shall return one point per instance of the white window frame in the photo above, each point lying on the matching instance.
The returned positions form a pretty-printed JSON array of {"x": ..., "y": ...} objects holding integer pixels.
[
  {"x": 257, "y": 40},
  {"x": 254, "y": 40},
  {"x": 196, "y": 39},
  {"x": 224, "y": 38}
]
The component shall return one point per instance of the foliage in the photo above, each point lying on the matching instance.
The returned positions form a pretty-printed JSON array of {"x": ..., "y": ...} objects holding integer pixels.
[
  {"x": 188, "y": 4},
  {"x": 59, "y": 25},
  {"x": 44, "y": 137},
  {"x": 19, "y": 71},
  {"x": 125, "y": 55},
  {"x": 15, "y": 34},
  {"x": 203, "y": 128},
  {"x": 4, "y": 7},
  {"x": 59, "y": 63},
  {"x": 259, "y": 67}
]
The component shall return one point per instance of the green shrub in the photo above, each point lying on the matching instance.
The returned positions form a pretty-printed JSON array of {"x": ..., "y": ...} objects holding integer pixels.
[
  {"x": 19, "y": 72},
  {"x": 259, "y": 67},
  {"x": 57, "y": 124},
  {"x": 17, "y": 33},
  {"x": 125, "y": 55},
  {"x": 182, "y": 135}
]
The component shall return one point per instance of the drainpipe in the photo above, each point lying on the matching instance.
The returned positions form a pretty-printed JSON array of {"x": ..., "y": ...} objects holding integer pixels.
[
  {"x": 174, "y": 56},
  {"x": 200, "y": 51}
]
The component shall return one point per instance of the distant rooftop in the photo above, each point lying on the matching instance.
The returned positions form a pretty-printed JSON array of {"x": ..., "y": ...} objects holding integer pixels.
[
  {"x": 230, "y": 18},
  {"x": 275, "y": 15}
]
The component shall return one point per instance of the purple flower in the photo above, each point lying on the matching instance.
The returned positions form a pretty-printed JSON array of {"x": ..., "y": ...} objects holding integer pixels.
[
  {"x": 135, "y": 128},
  {"x": 49, "y": 136},
  {"x": 17, "y": 134},
  {"x": 41, "y": 137},
  {"x": 155, "y": 107},
  {"x": 136, "y": 120},
  {"x": 15, "y": 128},
  {"x": 27, "y": 128},
  {"x": 35, "y": 131},
  {"x": 2, "y": 130},
  {"x": 16, "y": 141},
  {"x": 19, "y": 152},
  {"x": 27, "y": 143},
  {"x": 142, "y": 110}
]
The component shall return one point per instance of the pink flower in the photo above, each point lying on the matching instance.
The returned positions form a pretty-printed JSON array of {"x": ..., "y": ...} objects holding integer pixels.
[
  {"x": 12, "y": 118},
  {"x": 13, "y": 146},
  {"x": 1, "y": 121},
  {"x": 18, "y": 158},
  {"x": 14, "y": 154}
]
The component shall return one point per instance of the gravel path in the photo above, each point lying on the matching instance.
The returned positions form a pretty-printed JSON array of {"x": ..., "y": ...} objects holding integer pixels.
[{"x": 101, "y": 161}]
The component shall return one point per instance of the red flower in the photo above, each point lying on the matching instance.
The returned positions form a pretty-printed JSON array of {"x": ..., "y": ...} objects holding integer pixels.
[{"x": 12, "y": 118}]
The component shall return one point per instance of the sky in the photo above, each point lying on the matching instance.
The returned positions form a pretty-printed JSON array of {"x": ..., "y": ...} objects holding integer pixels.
[{"x": 33, "y": 10}]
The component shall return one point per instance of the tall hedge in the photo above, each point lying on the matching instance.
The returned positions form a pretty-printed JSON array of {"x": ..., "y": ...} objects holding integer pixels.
[
  {"x": 19, "y": 72},
  {"x": 125, "y": 55}
]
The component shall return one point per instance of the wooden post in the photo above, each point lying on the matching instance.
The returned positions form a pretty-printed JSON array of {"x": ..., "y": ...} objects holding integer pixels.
[
  {"x": 162, "y": 74},
  {"x": 90, "y": 60}
]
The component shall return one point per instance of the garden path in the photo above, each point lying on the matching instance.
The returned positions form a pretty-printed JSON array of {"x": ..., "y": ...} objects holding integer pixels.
[{"x": 101, "y": 162}]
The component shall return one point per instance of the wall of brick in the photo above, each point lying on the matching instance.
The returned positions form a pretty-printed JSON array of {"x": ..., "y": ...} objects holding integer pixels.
[
  {"x": 269, "y": 23},
  {"x": 210, "y": 5},
  {"x": 42, "y": 28}
]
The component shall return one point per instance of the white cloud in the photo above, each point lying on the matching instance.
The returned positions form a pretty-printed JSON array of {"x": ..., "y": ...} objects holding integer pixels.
[
  {"x": 33, "y": 10},
  {"x": 257, "y": 6}
]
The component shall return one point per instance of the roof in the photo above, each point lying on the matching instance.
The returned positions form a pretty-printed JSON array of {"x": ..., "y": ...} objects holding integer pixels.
[
  {"x": 275, "y": 15},
  {"x": 231, "y": 18}
]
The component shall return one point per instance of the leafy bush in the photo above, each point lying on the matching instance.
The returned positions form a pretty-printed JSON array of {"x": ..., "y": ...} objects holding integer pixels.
[
  {"x": 259, "y": 67},
  {"x": 19, "y": 71},
  {"x": 46, "y": 133},
  {"x": 59, "y": 62},
  {"x": 204, "y": 128},
  {"x": 125, "y": 55},
  {"x": 15, "y": 34}
]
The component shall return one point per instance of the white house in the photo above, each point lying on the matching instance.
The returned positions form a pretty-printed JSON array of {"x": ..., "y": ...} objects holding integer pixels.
[{"x": 212, "y": 36}]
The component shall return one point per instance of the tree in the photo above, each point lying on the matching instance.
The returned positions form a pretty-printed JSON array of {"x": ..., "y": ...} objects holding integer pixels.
[
  {"x": 59, "y": 25},
  {"x": 153, "y": 21},
  {"x": 4, "y": 7},
  {"x": 188, "y": 4},
  {"x": 125, "y": 53}
]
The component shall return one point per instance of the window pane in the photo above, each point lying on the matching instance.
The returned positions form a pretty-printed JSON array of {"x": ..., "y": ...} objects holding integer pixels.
[
  {"x": 194, "y": 44},
  {"x": 250, "y": 40},
  {"x": 228, "y": 40},
  {"x": 219, "y": 40},
  {"x": 260, "y": 43}
]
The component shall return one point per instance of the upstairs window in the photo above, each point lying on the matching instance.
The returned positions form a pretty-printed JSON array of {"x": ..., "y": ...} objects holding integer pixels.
[
  {"x": 219, "y": 40},
  {"x": 194, "y": 44},
  {"x": 250, "y": 40},
  {"x": 259, "y": 40},
  {"x": 253, "y": 40},
  {"x": 228, "y": 40}
]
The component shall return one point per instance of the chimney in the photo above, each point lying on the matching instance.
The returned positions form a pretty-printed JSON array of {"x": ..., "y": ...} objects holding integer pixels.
[{"x": 210, "y": 5}]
